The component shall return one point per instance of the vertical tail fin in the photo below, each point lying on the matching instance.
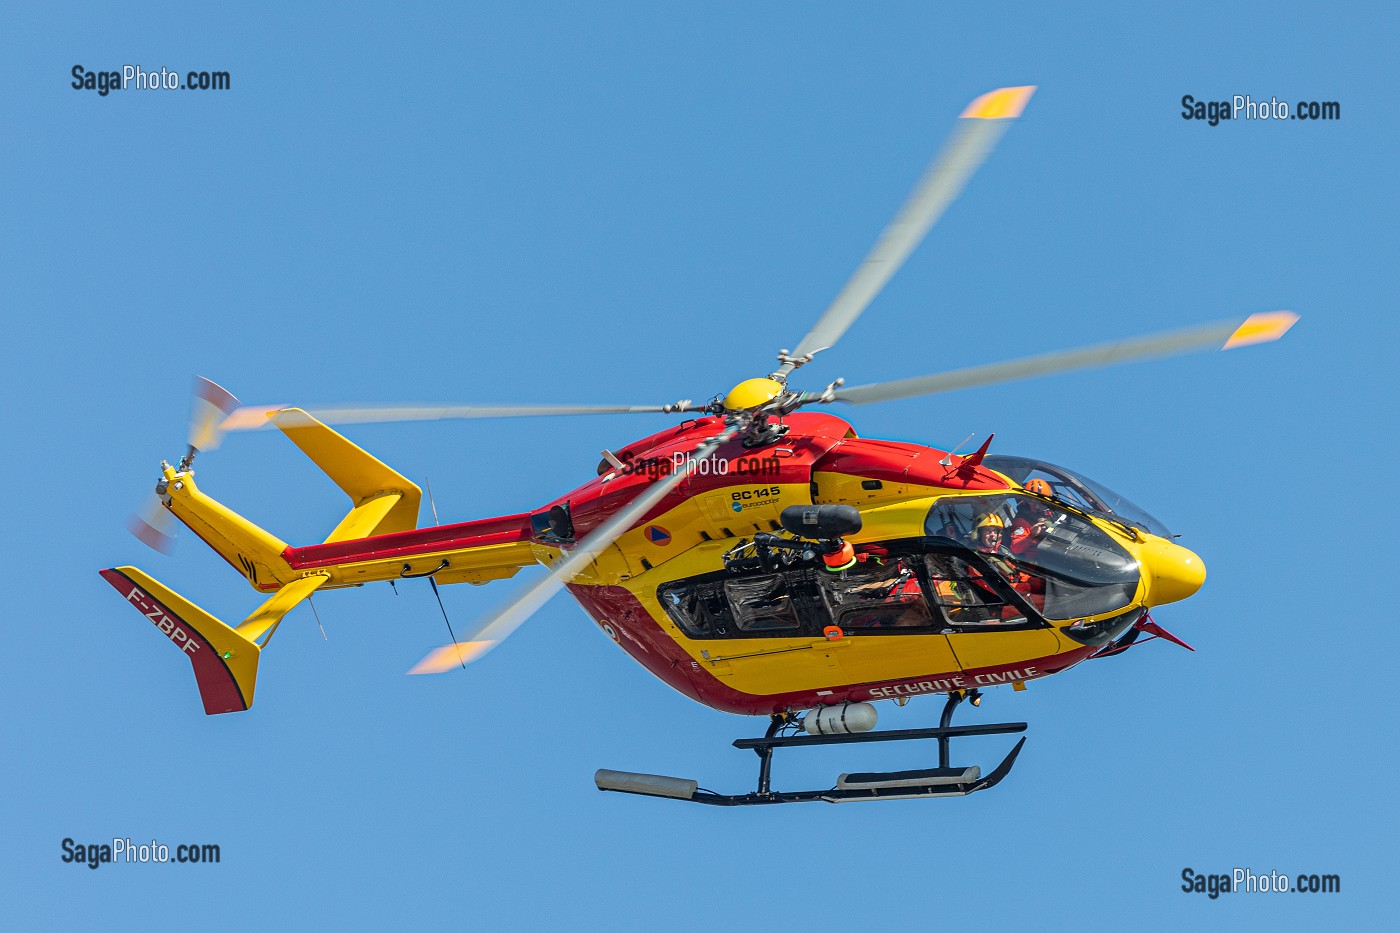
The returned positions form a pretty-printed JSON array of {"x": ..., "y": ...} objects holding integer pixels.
[{"x": 225, "y": 660}]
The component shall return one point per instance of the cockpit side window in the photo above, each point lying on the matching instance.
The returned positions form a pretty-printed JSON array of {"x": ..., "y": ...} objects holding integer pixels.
[{"x": 1061, "y": 563}]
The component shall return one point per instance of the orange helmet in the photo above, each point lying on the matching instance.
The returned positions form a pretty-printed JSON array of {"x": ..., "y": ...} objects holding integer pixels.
[{"x": 1039, "y": 487}]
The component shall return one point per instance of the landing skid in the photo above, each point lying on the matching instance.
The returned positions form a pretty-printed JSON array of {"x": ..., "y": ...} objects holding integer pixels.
[{"x": 943, "y": 781}]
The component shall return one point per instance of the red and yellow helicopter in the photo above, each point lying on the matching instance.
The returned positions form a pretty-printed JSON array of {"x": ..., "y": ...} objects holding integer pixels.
[{"x": 760, "y": 557}]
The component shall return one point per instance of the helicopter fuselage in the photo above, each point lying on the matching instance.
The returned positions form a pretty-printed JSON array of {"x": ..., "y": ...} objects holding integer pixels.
[{"x": 664, "y": 594}]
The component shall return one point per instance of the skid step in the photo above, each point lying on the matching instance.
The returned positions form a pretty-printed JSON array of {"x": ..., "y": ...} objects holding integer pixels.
[{"x": 925, "y": 777}]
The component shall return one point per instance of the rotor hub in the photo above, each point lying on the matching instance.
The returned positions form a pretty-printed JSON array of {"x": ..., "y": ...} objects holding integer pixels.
[{"x": 752, "y": 393}]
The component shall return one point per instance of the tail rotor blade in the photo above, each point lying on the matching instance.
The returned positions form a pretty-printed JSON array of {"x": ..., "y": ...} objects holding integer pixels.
[
  {"x": 212, "y": 404},
  {"x": 153, "y": 526}
]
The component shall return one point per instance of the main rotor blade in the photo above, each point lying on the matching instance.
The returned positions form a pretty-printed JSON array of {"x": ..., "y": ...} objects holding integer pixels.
[
  {"x": 253, "y": 417},
  {"x": 507, "y": 620},
  {"x": 979, "y": 127},
  {"x": 1226, "y": 335}
]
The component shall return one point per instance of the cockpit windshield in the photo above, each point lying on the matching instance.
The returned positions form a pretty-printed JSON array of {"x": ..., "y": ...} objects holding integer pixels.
[
  {"x": 1077, "y": 490},
  {"x": 1061, "y": 563}
]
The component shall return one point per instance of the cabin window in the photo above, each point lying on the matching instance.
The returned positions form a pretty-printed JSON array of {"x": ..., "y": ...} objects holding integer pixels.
[
  {"x": 967, "y": 594},
  {"x": 762, "y": 604},
  {"x": 881, "y": 594},
  {"x": 722, "y": 605},
  {"x": 939, "y": 583},
  {"x": 877, "y": 594},
  {"x": 700, "y": 609}
]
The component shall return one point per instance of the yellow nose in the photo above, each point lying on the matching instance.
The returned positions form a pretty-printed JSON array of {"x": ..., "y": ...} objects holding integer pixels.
[{"x": 1173, "y": 573}]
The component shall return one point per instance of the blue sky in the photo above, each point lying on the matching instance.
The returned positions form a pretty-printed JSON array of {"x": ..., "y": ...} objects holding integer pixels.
[{"x": 640, "y": 203}]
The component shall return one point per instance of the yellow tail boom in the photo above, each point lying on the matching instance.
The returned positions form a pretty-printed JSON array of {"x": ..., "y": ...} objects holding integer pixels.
[
  {"x": 381, "y": 501},
  {"x": 377, "y": 540}
]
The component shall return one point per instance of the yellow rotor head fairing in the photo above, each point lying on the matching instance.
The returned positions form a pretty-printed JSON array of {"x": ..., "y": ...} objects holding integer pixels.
[{"x": 751, "y": 393}]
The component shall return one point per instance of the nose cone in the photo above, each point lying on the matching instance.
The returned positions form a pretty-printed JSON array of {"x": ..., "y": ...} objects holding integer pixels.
[{"x": 1172, "y": 572}]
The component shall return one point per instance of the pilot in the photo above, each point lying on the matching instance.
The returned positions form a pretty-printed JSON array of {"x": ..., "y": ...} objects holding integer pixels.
[{"x": 987, "y": 533}]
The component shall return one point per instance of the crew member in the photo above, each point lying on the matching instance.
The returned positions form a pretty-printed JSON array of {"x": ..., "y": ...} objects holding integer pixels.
[
  {"x": 1030, "y": 525},
  {"x": 988, "y": 534}
]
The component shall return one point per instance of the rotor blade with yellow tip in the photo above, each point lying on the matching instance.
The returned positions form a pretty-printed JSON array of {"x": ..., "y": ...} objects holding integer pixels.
[
  {"x": 507, "y": 620},
  {"x": 450, "y": 656},
  {"x": 1226, "y": 335},
  {"x": 979, "y": 127},
  {"x": 1261, "y": 328},
  {"x": 255, "y": 417}
]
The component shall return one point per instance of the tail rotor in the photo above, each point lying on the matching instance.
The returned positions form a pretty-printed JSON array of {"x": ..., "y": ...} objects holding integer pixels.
[{"x": 153, "y": 524}]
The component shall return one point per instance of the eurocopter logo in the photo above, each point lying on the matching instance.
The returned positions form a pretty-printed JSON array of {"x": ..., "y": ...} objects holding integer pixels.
[{"x": 683, "y": 461}]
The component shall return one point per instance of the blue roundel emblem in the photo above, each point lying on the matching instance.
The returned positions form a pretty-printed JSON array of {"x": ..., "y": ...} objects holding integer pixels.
[
  {"x": 737, "y": 507},
  {"x": 657, "y": 535}
]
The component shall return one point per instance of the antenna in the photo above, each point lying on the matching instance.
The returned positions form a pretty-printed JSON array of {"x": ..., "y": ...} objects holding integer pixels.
[
  {"x": 312, "y": 604},
  {"x": 431, "y": 503},
  {"x": 947, "y": 460},
  {"x": 451, "y": 634}
]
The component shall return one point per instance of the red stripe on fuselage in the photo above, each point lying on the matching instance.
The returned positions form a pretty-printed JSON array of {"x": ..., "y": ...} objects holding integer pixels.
[{"x": 507, "y": 529}]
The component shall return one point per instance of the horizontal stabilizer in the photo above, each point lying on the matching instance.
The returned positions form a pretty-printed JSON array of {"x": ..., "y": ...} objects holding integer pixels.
[{"x": 383, "y": 501}]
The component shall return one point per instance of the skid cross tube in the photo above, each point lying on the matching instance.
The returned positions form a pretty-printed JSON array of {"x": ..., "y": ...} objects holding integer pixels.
[
  {"x": 943, "y": 734},
  {"x": 943, "y": 781}
]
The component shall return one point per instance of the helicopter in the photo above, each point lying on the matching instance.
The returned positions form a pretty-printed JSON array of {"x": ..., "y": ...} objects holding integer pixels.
[{"x": 759, "y": 557}]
